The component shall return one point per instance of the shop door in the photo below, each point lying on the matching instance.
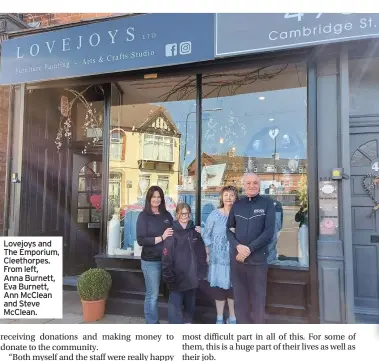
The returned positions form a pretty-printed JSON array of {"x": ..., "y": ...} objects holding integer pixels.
[
  {"x": 44, "y": 185},
  {"x": 85, "y": 212},
  {"x": 364, "y": 144}
]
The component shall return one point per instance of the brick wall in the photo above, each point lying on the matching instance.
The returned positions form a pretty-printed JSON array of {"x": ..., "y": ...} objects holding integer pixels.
[
  {"x": 51, "y": 19},
  {"x": 45, "y": 20},
  {"x": 4, "y": 103}
]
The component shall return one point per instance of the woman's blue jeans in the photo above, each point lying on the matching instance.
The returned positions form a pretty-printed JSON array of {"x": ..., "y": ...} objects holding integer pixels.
[{"x": 152, "y": 274}]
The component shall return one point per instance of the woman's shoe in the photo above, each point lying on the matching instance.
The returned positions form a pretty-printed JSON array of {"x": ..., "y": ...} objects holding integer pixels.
[
  {"x": 231, "y": 321},
  {"x": 219, "y": 321}
]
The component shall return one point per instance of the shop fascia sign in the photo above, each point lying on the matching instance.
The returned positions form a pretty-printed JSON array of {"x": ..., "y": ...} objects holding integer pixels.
[
  {"x": 59, "y": 46},
  {"x": 258, "y": 33},
  {"x": 122, "y": 44}
]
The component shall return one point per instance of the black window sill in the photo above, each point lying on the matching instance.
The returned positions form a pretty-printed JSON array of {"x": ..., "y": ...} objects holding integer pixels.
[{"x": 104, "y": 256}]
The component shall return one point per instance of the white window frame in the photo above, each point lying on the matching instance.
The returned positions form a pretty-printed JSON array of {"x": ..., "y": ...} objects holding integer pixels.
[
  {"x": 116, "y": 178},
  {"x": 146, "y": 177},
  {"x": 164, "y": 178},
  {"x": 119, "y": 143},
  {"x": 165, "y": 137}
]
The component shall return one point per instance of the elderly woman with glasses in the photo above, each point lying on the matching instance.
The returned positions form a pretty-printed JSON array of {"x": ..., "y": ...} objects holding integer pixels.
[
  {"x": 184, "y": 264},
  {"x": 217, "y": 247}
]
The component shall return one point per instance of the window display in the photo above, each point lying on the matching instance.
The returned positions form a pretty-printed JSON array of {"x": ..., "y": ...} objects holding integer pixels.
[
  {"x": 253, "y": 121},
  {"x": 261, "y": 129},
  {"x": 152, "y": 142}
]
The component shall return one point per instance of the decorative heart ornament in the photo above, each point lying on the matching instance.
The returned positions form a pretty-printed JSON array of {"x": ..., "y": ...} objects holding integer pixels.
[
  {"x": 95, "y": 200},
  {"x": 273, "y": 133},
  {"x": 369, "y": 188}
]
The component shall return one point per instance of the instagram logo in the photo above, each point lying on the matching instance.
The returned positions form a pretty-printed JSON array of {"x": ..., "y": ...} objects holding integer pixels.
[{"x": 185, "y": 48}]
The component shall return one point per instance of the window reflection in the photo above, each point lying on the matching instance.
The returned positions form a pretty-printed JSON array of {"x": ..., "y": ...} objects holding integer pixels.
[
  {"x": 158, "y": 148},
  {"x": 253, "y": 120},
  {"x": 117, "y": 145},
  {"x": 152, "y": 142},
  {"x": 262, "y": 128}
]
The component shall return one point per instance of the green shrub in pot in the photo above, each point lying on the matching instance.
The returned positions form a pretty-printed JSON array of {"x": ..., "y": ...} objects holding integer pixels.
[{"x": 94, "y": 284}]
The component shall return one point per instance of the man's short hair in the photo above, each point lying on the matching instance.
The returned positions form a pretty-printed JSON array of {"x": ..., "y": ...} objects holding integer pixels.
[{"x": 247, "y": 174}]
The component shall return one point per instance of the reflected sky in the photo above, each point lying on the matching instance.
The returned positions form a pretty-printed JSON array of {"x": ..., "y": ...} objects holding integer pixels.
[{"x": 251, "y": 126}]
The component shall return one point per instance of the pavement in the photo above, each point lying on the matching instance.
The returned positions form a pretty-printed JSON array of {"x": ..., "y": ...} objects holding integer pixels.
[{"x": 72, "y": 314}]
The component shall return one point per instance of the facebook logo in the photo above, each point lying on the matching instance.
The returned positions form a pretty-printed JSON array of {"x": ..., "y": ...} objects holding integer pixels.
[
  {"x": 171, "y": 49},
  {"x": 184, "y": 48}
]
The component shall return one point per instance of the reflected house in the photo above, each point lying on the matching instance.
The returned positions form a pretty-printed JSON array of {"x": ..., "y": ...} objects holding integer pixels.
[
  {"x": 144, "y": 151},
  {"x": 285, "y": 174}
]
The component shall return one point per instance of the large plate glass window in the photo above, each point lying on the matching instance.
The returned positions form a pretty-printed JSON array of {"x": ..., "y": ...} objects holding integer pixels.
[{"x": 255, "y": 121}]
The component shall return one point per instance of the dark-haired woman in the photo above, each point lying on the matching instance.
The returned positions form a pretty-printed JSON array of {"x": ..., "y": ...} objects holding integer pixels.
[{"x": 154, "y": 225}]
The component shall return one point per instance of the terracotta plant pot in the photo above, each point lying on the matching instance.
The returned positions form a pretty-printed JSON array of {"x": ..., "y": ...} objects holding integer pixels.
[{"x": 93, "y": 310}]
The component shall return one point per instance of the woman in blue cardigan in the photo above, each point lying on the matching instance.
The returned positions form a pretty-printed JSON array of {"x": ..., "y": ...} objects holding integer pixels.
[{"x": 217, "y": 247}]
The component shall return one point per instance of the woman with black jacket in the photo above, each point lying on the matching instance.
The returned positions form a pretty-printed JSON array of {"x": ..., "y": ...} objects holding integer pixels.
[
  {"x": 184, "y": 264},
  {"x": 153, "y": 227}
]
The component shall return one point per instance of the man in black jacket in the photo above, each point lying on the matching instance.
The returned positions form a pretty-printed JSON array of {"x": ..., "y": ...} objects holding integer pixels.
[{"x": 249, "y": 228}]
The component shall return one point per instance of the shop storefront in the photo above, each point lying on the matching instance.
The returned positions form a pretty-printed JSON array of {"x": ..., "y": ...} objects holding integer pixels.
[{"x": 102, "y": 111}]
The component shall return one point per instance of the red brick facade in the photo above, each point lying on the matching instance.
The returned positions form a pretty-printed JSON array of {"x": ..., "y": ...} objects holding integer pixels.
[
  {"x": 44, "y": 20},
  {"x": 51, "y": 19}
]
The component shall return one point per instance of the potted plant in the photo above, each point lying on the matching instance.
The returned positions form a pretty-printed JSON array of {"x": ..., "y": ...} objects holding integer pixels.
[{"x": 93, "y": 288}]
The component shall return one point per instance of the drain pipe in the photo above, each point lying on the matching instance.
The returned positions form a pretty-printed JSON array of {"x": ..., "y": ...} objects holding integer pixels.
[{"x": 9, "y": 161}]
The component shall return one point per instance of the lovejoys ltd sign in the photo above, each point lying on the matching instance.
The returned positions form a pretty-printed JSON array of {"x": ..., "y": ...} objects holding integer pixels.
[{"x": 135, "y": 42}]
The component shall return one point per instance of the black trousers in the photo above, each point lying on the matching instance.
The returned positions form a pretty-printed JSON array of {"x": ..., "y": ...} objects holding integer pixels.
[{"x": 249, "y": 286}]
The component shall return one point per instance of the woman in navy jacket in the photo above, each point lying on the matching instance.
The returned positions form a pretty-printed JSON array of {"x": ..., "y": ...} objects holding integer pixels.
[
  {"x": 184, "y": 264},
  {"x": 154, "y": 225}
]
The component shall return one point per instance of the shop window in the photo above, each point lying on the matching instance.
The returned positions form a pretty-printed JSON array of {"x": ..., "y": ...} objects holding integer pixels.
[
  {"x": 262, "y": 128},
  {"x": 117, "y": 145},
  {"x": 158, "y": 119}
]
